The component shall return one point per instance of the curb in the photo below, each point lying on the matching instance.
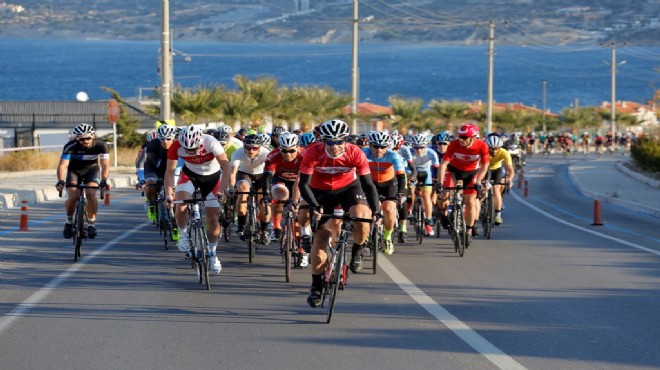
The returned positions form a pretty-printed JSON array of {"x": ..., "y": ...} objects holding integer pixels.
[
  {"x": 637, "y": 176},
  {"x": 608, "y": 199},
  {"x": 13, "y": 200}
]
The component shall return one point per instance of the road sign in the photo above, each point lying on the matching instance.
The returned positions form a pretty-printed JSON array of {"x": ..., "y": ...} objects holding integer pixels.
[{"x": 113, "y": 111}]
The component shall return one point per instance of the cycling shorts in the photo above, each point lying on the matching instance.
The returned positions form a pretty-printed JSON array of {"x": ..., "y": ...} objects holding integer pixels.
[
  {"x": 287, "y": 183},
  {"x": 388, "y": 189},
  {"x": 83, "y": 175},
  {"x": 453, "y": 175},
  {"x": 254, "y": 180},
  {"x": 346, "y": 197},
  {"x": 497, "y": 175},
  {"x": 207, "y": 184}
]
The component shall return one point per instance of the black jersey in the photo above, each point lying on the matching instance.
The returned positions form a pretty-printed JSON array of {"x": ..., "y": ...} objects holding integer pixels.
[
  {"x": 80, "y": 157},
  {"x": 156, "y": 158}
]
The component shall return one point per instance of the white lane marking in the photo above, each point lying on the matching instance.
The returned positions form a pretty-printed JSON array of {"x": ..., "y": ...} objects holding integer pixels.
[
  {"x": 469, "y": 336},
  {"x": 548, "y": 215},
  {"x": 41, "y": 294}
]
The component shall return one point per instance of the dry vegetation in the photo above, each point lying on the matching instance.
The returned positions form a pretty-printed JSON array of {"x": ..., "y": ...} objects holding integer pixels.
[{"x": 28, "y": 160}]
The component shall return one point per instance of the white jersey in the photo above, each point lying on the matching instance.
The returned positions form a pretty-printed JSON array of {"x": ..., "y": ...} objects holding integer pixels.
[
  {"x": 203, "y": 161},
  {"x": 253, "y": 166}
]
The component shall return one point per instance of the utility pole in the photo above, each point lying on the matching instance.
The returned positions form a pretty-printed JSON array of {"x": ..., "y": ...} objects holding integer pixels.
[
  {"x": 166, "y": 65},
  {"x": 491, "y": 55},
  {"x": 545, "y": 84},
  {"x": 354, "y": 68},
  {"x": 613, "y": 107}
]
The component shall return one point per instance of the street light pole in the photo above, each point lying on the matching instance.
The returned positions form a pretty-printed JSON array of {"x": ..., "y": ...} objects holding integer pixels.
[
  {"x": 354, "y": 68},
  {"x": 545, "y": 83},
  {"x": 613, "y": 107},
  {"x": 491, "y": 55},
  {"x": 166, "y": 60}
]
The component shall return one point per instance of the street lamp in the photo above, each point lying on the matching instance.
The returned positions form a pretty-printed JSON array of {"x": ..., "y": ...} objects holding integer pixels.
[{"x": 354, "y": 67}]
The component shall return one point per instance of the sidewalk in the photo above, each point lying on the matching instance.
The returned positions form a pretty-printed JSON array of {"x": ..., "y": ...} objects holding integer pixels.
[
  {"x": 39, "y": 186},
  {"x": 607, "y": 179}
]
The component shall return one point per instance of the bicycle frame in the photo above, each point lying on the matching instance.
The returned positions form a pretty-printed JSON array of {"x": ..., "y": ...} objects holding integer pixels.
[
  {"x": 198, "y": 238},
  {"x": 251, "y": 221},
  {"x": 80, "y": 218}
]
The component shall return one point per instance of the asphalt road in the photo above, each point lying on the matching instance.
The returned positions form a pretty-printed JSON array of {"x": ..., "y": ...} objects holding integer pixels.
[{"x": 545, "y": 293}]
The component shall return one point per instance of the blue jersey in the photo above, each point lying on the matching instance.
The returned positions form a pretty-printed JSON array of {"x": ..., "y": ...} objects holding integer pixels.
[{"x": 385, "y": 168}]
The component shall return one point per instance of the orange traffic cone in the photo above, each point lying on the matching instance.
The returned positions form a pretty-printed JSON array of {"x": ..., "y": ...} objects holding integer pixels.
[
  {"x": 24, "y": 216},
  {"x": 597, "y": 216}
]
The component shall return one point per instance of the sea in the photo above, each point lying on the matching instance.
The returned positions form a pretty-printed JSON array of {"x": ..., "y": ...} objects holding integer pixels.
[{"x": 44, "y": 69}]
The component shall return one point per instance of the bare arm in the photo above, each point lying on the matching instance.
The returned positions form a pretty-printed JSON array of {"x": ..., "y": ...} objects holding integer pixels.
[
  {"x": 62, "y": 168},
  {"x": 105, "y": 168},
  {"x": 510, "y": 172},
  {"x": 226, "y": 176},
  {"x": 169, "y": 177}
]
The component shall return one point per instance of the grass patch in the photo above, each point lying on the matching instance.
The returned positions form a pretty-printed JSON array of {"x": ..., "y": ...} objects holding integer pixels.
[{"x": 30, "y": 160}]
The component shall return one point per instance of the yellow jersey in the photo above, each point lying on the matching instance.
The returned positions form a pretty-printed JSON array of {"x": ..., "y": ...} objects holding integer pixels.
[{"x": 501, "y": 155}]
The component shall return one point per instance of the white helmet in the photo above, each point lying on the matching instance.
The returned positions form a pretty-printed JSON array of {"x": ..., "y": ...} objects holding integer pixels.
[
  {"x": 166, "y": 132},
  {"x": 83, "y": 129},
  {"x": 265, "y": 139},
  {"x": 380, "y": 138},
  {"x": 191, "y": 137},
  {"x": 287, "y": 140},
  {"x": 494, "y": 141},
  {"x": 419, "y": 140},
  {"x": 334, "y": 129}
]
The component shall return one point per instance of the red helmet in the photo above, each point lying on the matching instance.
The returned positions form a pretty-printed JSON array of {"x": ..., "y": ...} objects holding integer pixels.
[{"x": 469, "y": 130}]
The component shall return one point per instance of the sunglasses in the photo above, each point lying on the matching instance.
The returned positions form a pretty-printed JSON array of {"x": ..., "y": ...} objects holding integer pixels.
[
  {"x": 442, "y": 143},
  {"x": 85, "y": 139},
  {"x": 288, "y": 151},
  {"x": 191, "y": 151},
  {"x": 166, "y": 139},
  {"x": 462, "y": 137},
  {"x": 334, "y": 142},
  {"x": 250, "y": 148},
  {"x": 419, "y": 147},
  {"x": 379, "y": 146}
]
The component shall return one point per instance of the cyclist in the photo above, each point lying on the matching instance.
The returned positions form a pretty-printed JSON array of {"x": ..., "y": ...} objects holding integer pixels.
[
  {"x": 247, "y": 170},
  {"x": 499, "y": 160},
  {"x": 426, "y": 162},
  {"x": 466, "y": 159},
  {"x": 306, "y": 139},
  {"x": 205, "y": 168},
  {"x": 79, "y": 163},
  {"x": 388, "y": 172},
  {"x": 336, "y": 173},
  {"x": 280, "y": 182},
  {"x": 230, "y": 144},
  {"x": 277, "y": 131},
  {"x": 155, "y": 161},
  {"x": 362, "y": 141},
  {"x": 411, "y": 173}
]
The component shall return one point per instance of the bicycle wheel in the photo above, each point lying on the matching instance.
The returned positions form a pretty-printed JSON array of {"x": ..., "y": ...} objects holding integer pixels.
[
  {"x": 335, "y": 278},
  {"x": 422, "y": 225},
  {"x": 489, "y": 216},
  {"x": 79, "y": 232},
  {"x": 460, "y": 230},
  {"x": 418, "y": 220},
  {"x": 164, "y": 224},
  {"x": 195, "y": 259},
  {"x": 204, "y": 263},
  {"x": 375, "y": 241},
  {"x": 251, "y": 228},
  {"x": 438, "y": 224},
  {"x": 287, "y": 246}
]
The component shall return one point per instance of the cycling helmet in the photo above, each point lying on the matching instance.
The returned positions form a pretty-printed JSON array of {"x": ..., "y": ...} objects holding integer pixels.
[
  {"x": 225, "y": 129},
  {"x": 379, "y": 138},
  {"x": 397, "y": 140},
  {"x": 279, "y": 130},
  {"x": 83, "y": 129},
  {"x": 494, "y": 141},
  {"x": 265, "y": 139},
  {"x": 317, "y": 132},
  {"x": 306, "y": 139},
  {"x": 469, "y": 130},
  {"x": 165, "y": 132},
  {"x": 240, "y": 135},
  {"x": 252, "y": 140},
  {"x": 287, "y": 140},
  {"x": 362, "y": 141},
  {"x": 419, "y": 140},
  {"x": 297, "y": 131},
  {"x": 221, "y": 135},
  {"x": 334, "y": 129},
  {"x": 442, "y": 137},
  {"x": 191, "y": 137}
]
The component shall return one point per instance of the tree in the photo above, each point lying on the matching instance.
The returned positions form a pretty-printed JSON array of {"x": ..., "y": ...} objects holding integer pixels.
[
  {"x": 192, "y": 104},
  {"x": 581, "y": 119},
  {"x": 407, "y": 113},
  {"x": 450, "y": 112}
]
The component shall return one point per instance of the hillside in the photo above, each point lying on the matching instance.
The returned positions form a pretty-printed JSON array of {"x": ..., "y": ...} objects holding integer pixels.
[{"x": 329, "y": 21}]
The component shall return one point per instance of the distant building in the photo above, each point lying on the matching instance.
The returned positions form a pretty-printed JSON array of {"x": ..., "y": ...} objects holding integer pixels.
[{"x": 646, "y": 116}]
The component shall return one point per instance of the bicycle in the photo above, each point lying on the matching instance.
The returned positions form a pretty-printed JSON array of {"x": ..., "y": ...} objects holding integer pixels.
[
  {"x": 78, "y": 229},
  {"x": 457, "y": 226},
  {"x": 164, "y": 214},
  {"x": 290, "y": 247},
  {"x": 335, "y": 274},
  {"x": 197, "y": 237},
  {"x": 226, "y": 217},
  {"x": 375, "y": 244},
  {"x": 251, "y": 230},
  {"x": 417, "y": 216},
  {"x": 487, "y": 214}
]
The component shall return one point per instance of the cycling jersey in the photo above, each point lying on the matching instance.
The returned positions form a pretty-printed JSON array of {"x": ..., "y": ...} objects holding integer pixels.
[
  {"x": 501, "y": 156},
  {"x": 425, "y": 161},
  {"x": 467, "y": 158},
  {"x": 80, "y": 157},
  {"x": 385, "y": 168},
  {"x": 333, "y": 173},
  {"x": 286, "y": 170},
  {"x": 232, "y": 145},
  {"x": 202, "y": 162},
  {"x": 156, "y": 160},
  {"x": 252, "y": 166}
]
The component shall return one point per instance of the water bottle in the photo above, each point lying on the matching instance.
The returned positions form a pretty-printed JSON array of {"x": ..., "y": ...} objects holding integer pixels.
[{"x": 196, "y": 214}]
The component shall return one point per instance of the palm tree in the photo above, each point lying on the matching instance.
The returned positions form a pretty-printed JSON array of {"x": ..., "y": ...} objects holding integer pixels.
[
  {"x": 449, "y": 111},
  {"x": 581, "y": 119},
  {"x": 407, "y": 113},
  {"x": 264, "y": 92},
  {"x": 192, "y": 104}
]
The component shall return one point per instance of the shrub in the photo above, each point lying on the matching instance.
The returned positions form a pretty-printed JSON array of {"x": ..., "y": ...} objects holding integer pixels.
[{"x": 646, "y": 154}]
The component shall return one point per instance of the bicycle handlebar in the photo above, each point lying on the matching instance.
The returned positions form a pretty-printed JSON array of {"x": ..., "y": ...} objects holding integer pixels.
[{"x": 83, "y": 186}]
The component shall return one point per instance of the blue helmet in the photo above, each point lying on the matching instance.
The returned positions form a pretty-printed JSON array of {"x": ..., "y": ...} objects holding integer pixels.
[
  {"x": 306, "y": 139},
  {"x": 442, "y": 137}
]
